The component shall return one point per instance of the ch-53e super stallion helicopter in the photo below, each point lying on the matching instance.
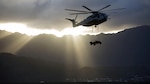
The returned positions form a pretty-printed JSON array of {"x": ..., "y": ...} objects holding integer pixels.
[{"x": 95, "y": 19}]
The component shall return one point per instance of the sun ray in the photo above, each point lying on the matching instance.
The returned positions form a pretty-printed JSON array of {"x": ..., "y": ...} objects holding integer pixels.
[
  {"x": 16, "y": 43},
  {"x": 23, "y": 41},
  {"x": 80, "y": 50},
  {"x": 4, "y": 34},
  {"x": 83, "y": 53}
]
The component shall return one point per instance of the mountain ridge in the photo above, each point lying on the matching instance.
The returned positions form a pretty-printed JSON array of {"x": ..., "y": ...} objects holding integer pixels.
[
  {"x": 52, "y": 59},
  {"x": 124, "y": 48}
]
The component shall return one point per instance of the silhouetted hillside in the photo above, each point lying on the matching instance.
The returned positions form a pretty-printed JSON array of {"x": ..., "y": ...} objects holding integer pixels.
[
  {"x": 25, "y": 69},
  {"x": 49, "y": 58},
  {"x": 127, "y": 48}
]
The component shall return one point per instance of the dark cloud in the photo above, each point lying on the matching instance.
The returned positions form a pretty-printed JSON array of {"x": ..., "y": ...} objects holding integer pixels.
[
  {"x": 51, "y": 13},
  {"x": 136, "y": 13}
]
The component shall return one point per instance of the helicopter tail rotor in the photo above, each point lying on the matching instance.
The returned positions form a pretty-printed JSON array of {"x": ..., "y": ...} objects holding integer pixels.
[{"x": 73, "y": 21}]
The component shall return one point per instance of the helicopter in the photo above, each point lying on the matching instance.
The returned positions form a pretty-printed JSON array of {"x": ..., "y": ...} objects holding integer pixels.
[{"x": 95, "y": 19}]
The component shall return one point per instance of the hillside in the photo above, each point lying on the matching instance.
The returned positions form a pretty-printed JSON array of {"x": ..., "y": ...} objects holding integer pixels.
[
  {"x": 44, "y": 57},
  {"x": 14, "y": 69},
  {"x": 127, "y": 48}
]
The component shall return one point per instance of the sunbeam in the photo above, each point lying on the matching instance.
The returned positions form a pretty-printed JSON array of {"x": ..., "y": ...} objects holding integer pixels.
[
  {"x": 4, "y": 34},
  {"x": 16, "y": 42},
  {"x": 83, "y": 53}
]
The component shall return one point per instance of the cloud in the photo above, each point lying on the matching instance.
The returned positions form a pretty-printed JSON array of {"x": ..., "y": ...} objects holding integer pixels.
[{"x": 51, "y": 14}]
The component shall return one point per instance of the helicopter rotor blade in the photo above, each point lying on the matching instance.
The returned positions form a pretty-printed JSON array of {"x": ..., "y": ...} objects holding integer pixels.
[
  {"x": 75, "y": 10},
  {"x": 114, "y": 9},
  {"x": 104, "y": 7},
  {"x": 87, "y": 8},
  {"x": 80, "y": 13}
]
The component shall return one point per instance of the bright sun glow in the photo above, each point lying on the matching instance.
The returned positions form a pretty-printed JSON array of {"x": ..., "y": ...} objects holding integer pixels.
[{"x": 24, "y": 29}]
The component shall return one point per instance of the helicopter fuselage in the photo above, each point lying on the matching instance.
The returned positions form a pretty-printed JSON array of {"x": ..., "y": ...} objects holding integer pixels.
[{"x": 94, "y": 19}]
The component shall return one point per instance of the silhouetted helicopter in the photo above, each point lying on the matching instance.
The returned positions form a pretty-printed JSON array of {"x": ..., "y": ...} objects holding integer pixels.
[{"x": 95, "y": 19}]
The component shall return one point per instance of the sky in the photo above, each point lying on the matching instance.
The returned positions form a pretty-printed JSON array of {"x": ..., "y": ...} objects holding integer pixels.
[
  {"x": 45, "y": 15},
  {"x": 35, "y": 17}
]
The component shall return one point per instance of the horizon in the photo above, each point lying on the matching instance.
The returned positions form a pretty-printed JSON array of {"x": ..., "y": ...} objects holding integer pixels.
[
  {"x": 81, "y": 30},
  {"x": 77, "y": 31}
]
